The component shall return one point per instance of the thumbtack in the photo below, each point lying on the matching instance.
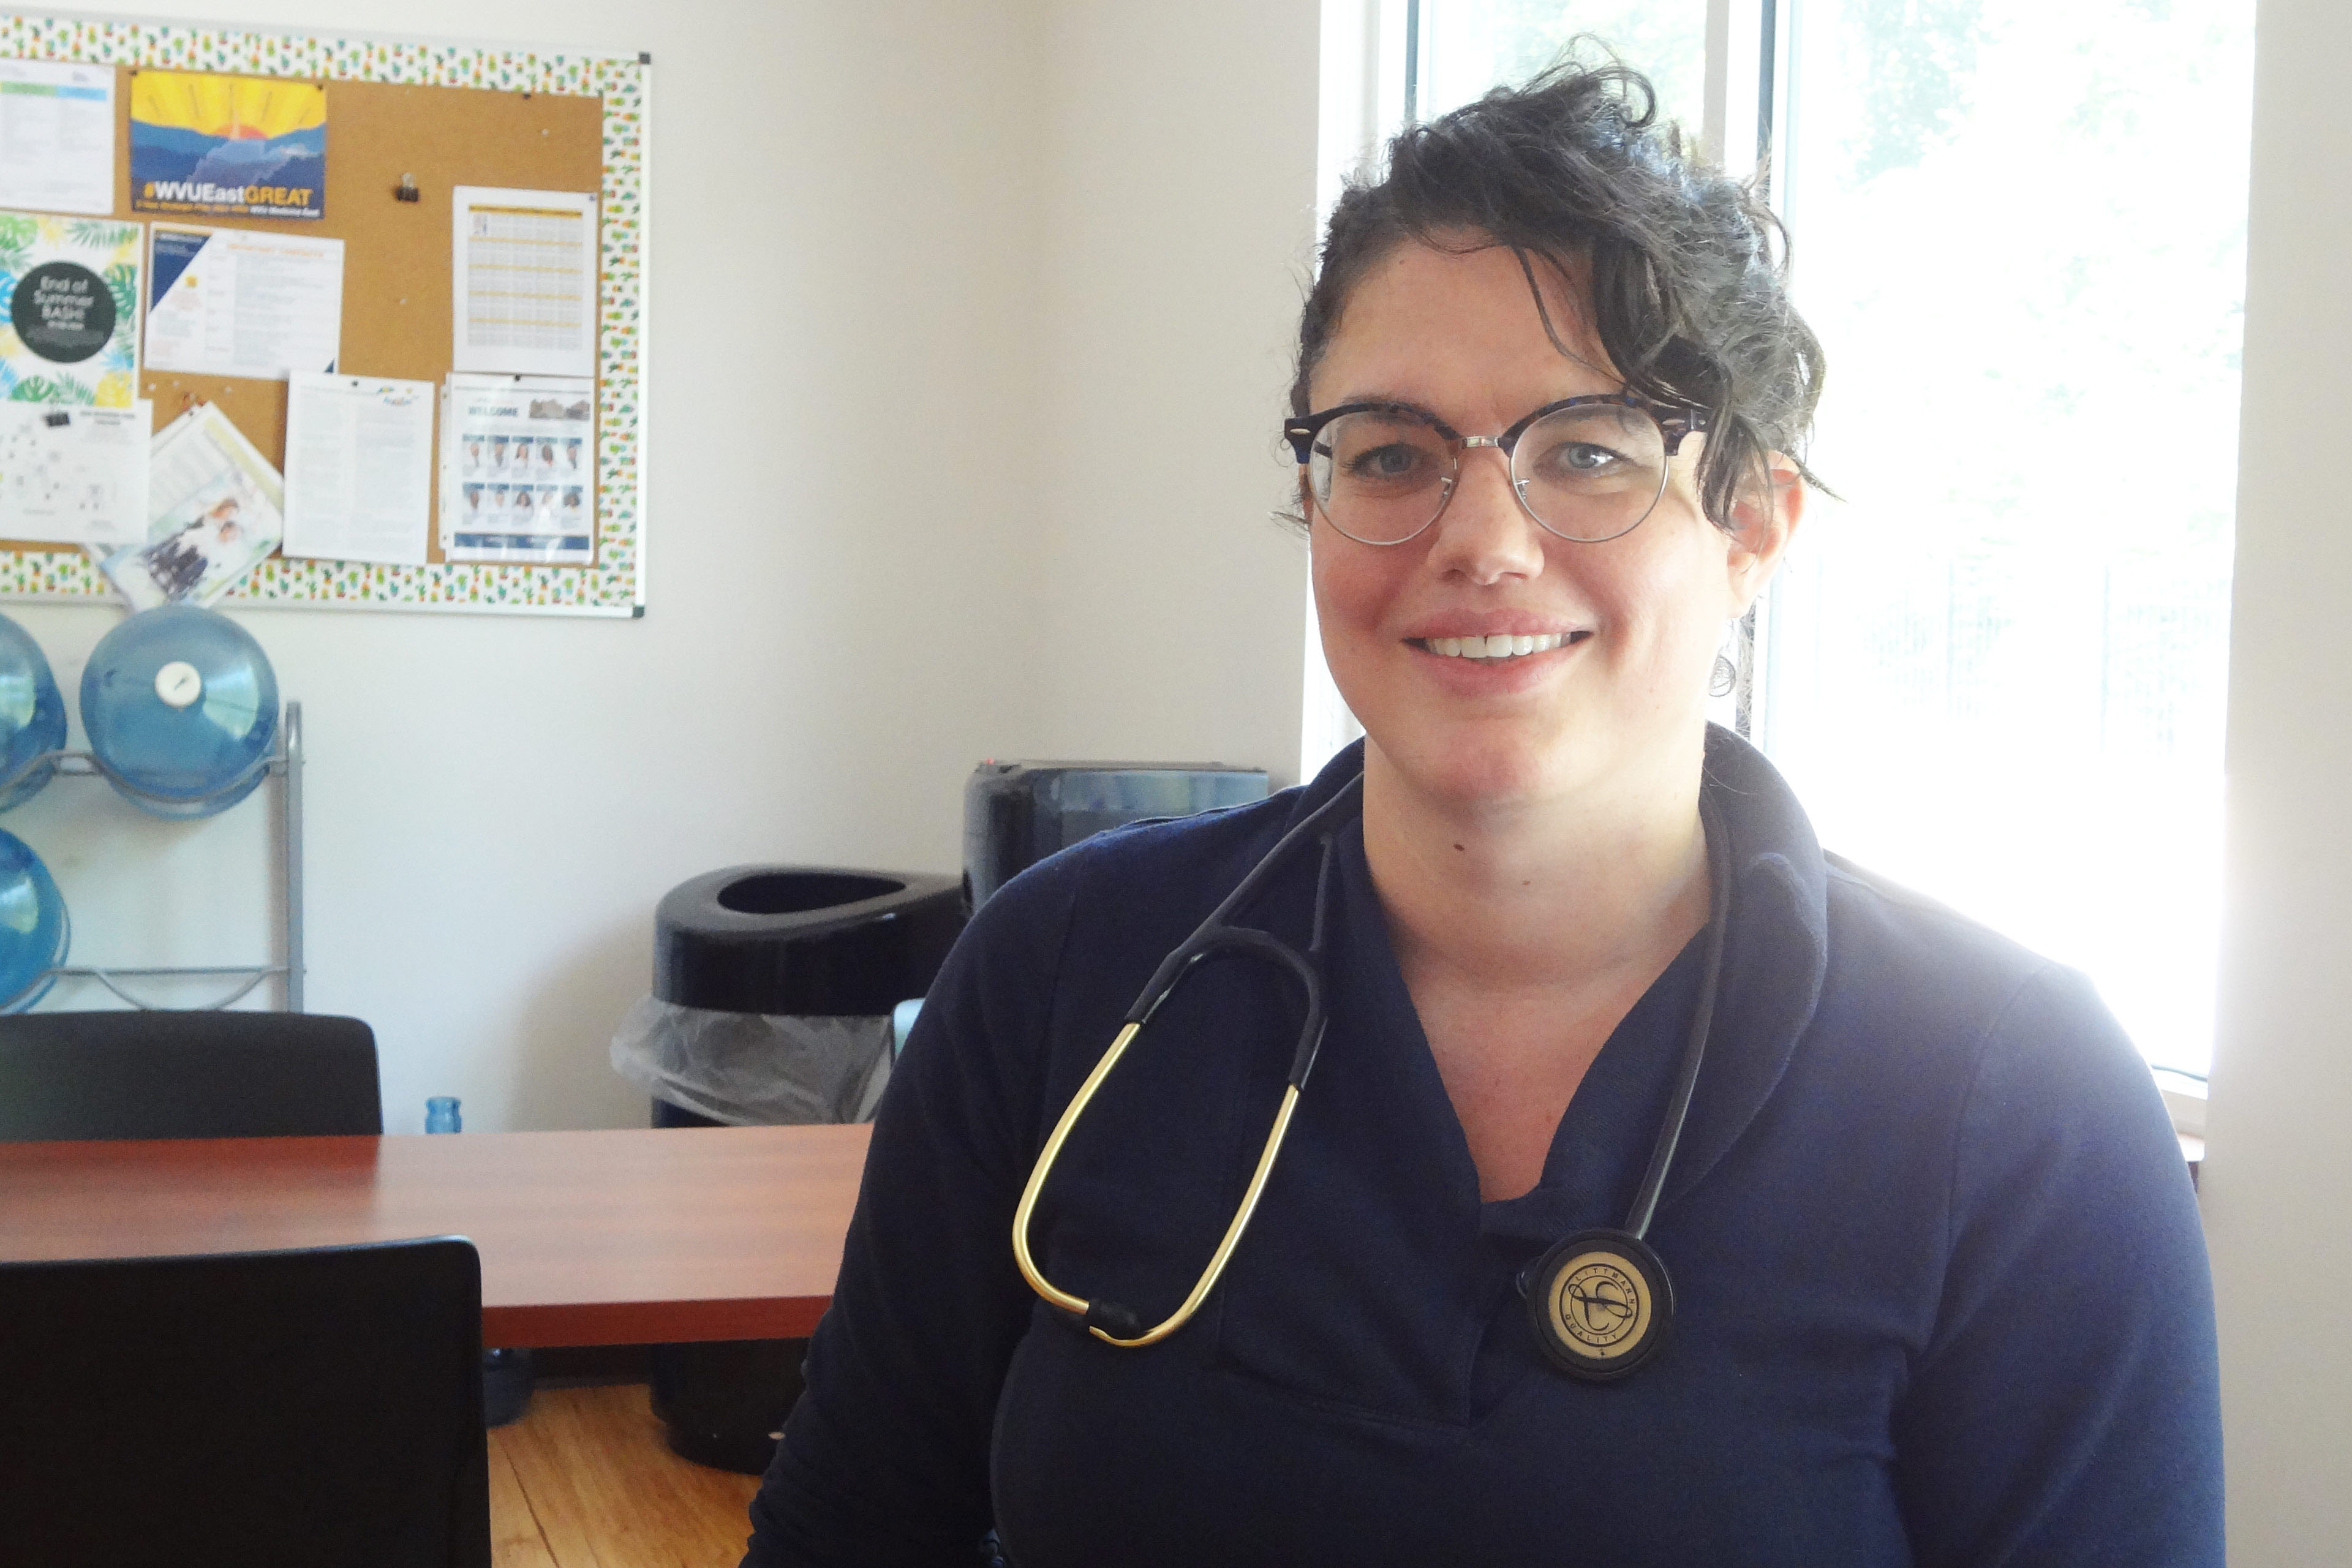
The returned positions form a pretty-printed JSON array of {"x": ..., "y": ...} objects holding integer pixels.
[{"x": 407, "y": 190}]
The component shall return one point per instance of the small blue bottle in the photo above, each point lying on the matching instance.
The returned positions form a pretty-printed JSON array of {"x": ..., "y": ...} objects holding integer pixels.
[{"x": 506, "y": 1373}]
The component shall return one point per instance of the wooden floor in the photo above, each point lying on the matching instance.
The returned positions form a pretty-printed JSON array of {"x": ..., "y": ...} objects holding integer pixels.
[{"x": 584, "y": 1480}]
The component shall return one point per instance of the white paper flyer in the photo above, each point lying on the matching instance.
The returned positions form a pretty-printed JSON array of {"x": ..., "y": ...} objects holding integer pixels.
[
  {"x": 74, "y": 476},
  {"x": 243, "y": 302},
  {"x": 518, "y": 469},
  {"x": 523, "y": 281},
  {"x": 358, "y": 467}
]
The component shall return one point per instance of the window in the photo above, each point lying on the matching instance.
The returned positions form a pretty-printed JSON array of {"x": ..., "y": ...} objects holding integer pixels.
[
  {"x": 1461, "y": 48},
  {"x": 2021, "y": 227},
  {"x": 1995, "y": 669}
]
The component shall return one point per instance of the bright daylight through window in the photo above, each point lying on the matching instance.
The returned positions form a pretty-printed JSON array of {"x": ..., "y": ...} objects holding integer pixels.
[{"x": 1995, "y": 670}]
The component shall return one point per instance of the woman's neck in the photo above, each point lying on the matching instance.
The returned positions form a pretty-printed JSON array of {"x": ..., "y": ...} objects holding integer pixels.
[{"x": 1557, "y": 893}]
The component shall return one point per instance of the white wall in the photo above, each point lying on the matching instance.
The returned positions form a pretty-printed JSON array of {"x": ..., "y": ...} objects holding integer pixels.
[
  {"x": 2278, "y": 1176},
  {"x": 885, "y": 215},
  {"x": 1181, "y": 181}
]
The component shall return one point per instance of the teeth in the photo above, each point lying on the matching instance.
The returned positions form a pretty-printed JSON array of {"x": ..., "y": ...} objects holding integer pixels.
[{"x": 1498, "y": 647}]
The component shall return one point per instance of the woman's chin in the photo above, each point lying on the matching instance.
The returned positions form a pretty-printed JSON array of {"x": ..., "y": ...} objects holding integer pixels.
[{"x": 1478, "y": 772}]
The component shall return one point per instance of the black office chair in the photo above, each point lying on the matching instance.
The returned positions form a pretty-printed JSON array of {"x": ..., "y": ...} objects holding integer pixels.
[
  {"x": 186, "y": 1075},
  {"x": 314, "y": 1407}
]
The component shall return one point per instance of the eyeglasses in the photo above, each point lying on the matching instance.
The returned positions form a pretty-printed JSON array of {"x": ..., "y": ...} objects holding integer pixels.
[{"x": 1586, "y": 468}]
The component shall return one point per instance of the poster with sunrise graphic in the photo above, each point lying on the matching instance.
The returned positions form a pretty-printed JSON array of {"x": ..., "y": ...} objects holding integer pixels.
[{"x": 204, "y": 144}]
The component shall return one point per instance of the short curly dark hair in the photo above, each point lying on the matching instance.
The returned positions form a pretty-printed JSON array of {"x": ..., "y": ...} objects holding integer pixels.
[{"x": 1688, "y": 267}]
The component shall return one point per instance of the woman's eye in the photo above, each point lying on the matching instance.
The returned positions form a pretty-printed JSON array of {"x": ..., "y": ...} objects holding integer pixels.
[
  {"x": 1381, "y": 456},
  {"x": 1396, "y": 460},
  {"x": 1580, "y": 457},
  {"x": 1393, "y": 464}
]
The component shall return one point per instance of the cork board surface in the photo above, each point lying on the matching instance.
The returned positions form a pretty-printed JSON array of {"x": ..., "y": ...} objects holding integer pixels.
[{"x": 396, "y": 277}]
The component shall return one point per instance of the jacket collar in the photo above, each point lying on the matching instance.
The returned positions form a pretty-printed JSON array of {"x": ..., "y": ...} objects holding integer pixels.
[
  {"x": 1775, "y": 952},
  {"x": 1775, "y": 948}
]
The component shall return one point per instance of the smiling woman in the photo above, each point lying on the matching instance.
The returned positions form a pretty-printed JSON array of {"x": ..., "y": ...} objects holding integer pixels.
[
  {"x": 1665, "y": 1192},
  {"x": 1586, "y": 518}
]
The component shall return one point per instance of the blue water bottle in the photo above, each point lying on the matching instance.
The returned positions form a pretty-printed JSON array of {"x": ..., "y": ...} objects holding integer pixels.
[{"x": 441, "y": 1114}]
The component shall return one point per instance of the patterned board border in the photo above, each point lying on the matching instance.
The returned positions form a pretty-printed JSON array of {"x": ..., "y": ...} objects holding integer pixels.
[{"x": 615, "y": 585}]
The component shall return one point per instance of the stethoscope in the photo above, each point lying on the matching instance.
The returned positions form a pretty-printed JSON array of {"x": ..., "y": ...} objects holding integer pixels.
[{"x": 1599, "y": 1300}]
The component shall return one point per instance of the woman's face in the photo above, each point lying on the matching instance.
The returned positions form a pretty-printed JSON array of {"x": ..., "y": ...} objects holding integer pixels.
[{"x": 1620, "y": 702}]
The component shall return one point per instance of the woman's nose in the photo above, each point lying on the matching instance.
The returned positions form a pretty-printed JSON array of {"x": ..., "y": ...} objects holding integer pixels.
[{"x": 1483, "y": 533}]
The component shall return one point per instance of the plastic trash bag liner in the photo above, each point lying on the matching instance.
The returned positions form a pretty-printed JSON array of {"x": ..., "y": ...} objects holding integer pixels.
[{"x": 754, "y": 1069}]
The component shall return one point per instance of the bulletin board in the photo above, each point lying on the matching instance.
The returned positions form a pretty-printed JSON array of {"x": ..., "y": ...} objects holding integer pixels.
[{"x": 437, "y": 117}]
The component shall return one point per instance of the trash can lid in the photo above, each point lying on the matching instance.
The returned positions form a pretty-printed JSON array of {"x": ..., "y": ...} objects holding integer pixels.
[{"x": 808, "y": 940}]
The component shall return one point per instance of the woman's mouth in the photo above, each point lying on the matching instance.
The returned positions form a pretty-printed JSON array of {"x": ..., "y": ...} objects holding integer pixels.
[{"x": 1501, "y": 646}]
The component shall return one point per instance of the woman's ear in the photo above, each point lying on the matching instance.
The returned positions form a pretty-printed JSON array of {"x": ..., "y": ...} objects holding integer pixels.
[{"x": 1763, "y": 519}]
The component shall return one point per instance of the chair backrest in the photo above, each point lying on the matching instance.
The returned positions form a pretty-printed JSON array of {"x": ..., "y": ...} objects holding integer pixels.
[
  {"x": 186, "y": 1075},
  {"x": 315, "y": 1406}
]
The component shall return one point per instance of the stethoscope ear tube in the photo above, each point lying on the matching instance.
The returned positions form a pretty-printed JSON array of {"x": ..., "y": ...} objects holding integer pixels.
[
  {"x": 1111, "y": 1321},
  {"x": 1212, "y": 933}
]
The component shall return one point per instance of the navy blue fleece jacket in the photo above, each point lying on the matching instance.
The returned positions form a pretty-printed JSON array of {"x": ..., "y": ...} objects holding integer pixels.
[{"x": 1942, "y": 1296}]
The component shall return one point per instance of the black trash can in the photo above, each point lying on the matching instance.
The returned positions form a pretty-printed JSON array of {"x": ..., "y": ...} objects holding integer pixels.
[{"x": 776, "y": 961}]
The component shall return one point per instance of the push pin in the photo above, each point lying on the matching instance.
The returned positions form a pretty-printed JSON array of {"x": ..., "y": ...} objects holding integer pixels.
[{"x": 407, "y": 190}]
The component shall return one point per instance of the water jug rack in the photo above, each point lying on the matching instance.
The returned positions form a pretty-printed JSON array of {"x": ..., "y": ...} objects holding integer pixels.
[{"x": 284, "y": 765}]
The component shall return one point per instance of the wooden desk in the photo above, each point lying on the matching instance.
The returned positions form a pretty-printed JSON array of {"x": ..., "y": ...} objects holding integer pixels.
[{"x": 587, "y": 1238}]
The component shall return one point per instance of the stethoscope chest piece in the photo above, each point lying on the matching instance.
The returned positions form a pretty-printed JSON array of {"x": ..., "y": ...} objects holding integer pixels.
[{"x": 1601, "y": 1304}]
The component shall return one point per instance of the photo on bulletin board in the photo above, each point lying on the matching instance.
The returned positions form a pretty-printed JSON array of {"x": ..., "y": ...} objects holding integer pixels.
[
  {"x": 287, "y": 209},
  {"x": 218, "y": 509}
]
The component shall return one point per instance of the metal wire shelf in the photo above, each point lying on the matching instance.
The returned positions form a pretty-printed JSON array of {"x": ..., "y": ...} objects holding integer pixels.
[{"x": 285, "y": 764}]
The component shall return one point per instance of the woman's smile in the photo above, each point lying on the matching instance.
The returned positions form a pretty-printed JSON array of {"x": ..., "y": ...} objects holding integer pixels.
[
  {"x": 1496, "y": 646},
  {"x": 1496, "y": 666}
]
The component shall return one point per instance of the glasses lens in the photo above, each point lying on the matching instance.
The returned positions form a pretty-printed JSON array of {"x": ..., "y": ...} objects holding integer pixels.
[
  {"x": 1378, "y": 476},
  {"x": 1590, "y": 473}
]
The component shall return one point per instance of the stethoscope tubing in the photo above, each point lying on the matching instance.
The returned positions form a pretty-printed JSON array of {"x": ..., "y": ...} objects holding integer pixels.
[
  {"x": 1108, "y": 1321},
  {"x": 1670, "y": 1130},
  {"x": 1119, "y": 1325}
]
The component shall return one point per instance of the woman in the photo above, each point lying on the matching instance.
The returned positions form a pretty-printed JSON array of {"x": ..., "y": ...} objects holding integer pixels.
[{"x": 1937, "y": 1289}]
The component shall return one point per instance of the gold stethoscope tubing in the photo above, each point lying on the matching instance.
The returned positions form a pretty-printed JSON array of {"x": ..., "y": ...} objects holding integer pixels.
[
  {"x": 1208, "y": 1281},
  {"x": 1215, "y": 935}
]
